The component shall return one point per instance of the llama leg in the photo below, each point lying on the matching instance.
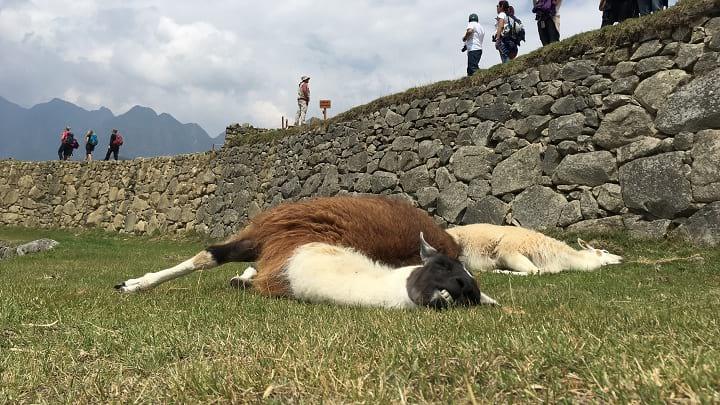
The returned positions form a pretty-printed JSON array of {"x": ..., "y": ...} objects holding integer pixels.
[
  {"x": 518, "y": 262},
  {"x": 510, "y": 272},
  {"x": 245, "y": 280},
  {"x": 234, "y": 251}
]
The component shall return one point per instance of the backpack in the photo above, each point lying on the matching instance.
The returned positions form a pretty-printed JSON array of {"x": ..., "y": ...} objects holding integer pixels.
[
  {"x": 69, "y": 139},
  {"x": 118, "y": 140},
  {"x": 92, "y": 141},
  {"x": 517, "y": 31},
  {"x": 75, "y": 144}
]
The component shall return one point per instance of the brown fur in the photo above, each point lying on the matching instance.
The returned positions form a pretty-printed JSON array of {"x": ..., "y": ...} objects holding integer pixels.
[{"x": 384, "y": 229}]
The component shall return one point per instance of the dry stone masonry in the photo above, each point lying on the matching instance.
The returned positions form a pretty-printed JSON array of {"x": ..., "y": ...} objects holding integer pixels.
[{"x": 624, "y": 138}]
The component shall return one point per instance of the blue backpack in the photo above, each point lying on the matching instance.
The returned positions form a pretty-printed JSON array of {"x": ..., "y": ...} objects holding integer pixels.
[{"x": 93, "y": 140}]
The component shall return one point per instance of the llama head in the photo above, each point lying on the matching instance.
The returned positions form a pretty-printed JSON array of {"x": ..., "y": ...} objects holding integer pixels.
[
  {"x": 443, "y": 281},
  {"x": 603, "y": 256}
]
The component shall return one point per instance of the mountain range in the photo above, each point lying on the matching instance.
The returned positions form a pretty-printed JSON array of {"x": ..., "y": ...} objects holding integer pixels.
[{"x": 34, "y": 133}]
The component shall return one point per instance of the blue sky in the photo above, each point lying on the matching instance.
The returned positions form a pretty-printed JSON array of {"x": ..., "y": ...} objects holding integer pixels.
[{"x": 221, "y": 61}]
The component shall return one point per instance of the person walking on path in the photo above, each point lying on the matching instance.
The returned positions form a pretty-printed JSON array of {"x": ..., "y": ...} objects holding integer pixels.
[
  {"x": 504, "y": 43},
  {"x": 303, "y": 100},
  {"x": 115, "y": 141},
  {"x": 67, "y": 140},
  {"x": 473, "y": 38},
  {"x": 548, "y": 20},
  {"x": 90, "y": 142}
]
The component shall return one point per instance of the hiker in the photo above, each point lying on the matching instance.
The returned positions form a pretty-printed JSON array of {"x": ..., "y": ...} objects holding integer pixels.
[
  {"x": 617, "y": 11},
  {"x": 67, "y": 140},
  {"x": 504, "y": 43},
  {"x": 548, "y": 20},
  {"x": 91, "y": 141},
  {"x": 646, "y": 7},
  {"x": 115, "y": 141},
  {"x": 303, "y": 99},
  {"x": 473, "y": 38},
  {"x": 517, "y": 32}
]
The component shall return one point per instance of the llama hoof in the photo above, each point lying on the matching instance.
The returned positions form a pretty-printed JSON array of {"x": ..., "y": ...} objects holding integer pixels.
[
  {"x": 129, "y": 286},
  {"x": 245, "y": 280},
  {"x": 240, "y": 283},
  {"x": 445, "y": 295},
  {"x": 487, "y": 300}
]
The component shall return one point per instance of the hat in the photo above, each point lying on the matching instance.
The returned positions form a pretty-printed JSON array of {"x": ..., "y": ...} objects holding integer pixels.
[
  {"x": 473, "y": 17},
  {"x": 304, "y": 78}
]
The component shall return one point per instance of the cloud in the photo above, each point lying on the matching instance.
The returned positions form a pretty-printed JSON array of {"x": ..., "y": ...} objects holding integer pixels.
[{"x": 224, "y": 61}]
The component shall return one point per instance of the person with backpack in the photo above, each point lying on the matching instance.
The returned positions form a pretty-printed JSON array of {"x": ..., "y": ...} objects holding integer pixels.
[
  {"x": 115, "y": 141},
  {"x": 547, "y": 17},
  {"x": 517, "y": 32},
  {"x": 473, "y": 38},
  {"x": 67, "y": 142},
  {"x": 506, "y": 36},
  {"x": 91, "y": 141}
]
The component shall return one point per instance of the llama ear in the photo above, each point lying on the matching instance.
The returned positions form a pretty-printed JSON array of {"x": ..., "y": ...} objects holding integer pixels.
[
  {"x": 583, "y": 244},
  {"x": 426, "y": 251}
]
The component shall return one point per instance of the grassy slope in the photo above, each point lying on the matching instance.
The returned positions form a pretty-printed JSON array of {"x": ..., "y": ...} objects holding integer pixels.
[
  {"x": 627, "y": 332},
  {"x": 685, "y": 13}
]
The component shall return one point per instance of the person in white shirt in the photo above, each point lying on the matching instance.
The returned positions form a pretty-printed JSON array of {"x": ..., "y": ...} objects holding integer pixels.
[{"x": 473, "y": 38}]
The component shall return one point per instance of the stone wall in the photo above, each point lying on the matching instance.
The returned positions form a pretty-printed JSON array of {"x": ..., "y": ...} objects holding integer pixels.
[{"x": 626, "y": 137}]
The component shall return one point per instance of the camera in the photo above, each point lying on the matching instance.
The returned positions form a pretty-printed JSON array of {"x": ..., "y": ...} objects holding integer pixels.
[{"x": 464, "y": 48}]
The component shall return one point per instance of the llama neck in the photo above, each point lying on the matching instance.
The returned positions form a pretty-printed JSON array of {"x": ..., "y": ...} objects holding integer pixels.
[
  {"x": 321, "y": 272},
  {"x": 581, "y": 260}
]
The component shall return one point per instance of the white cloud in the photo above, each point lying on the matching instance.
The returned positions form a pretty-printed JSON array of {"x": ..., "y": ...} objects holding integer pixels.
[{"x": 223, "y": 61}]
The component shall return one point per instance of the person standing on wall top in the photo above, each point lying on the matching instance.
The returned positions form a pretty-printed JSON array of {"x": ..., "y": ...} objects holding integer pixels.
[
  {"x": 617, "y": 11},
  {"x": 303, "y": 100},
  {"x": 473, "y": 38},
  {"x": 548, "y": 20},
  {"x": 115, "y": 141},
  {"x": 67, "y": 141},
  {"x": 90, "y": 142},
  {"x": 646, "y": 7},
  {"x": 503, "y": 42}
]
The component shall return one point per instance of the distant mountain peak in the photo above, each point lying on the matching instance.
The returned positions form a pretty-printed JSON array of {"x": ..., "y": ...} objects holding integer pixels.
[{"x": 138, "y": 109}]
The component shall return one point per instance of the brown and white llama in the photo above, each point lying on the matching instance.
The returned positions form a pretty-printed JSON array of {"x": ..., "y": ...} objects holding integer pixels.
[
  {"x": 368, "y": 251},
  {"x": 523, "y": 251}
]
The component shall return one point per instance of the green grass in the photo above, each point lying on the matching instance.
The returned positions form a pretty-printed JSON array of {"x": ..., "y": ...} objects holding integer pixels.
[
  {"x": 631, "y": 31},
  {"x": 633, "y": 332}
]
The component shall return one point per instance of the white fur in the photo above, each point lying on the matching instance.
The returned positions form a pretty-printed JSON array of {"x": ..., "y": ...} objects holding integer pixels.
[
  {"x": 322, "y": 272},
  {"x": 488, "y": 247}
]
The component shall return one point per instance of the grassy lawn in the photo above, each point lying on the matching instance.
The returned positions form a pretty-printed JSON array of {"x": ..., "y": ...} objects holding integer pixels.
[{"x": 643, "y": 331}]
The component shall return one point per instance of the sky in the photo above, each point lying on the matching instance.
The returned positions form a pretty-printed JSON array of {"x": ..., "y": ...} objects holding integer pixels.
[{"x": 216, "y": 62}]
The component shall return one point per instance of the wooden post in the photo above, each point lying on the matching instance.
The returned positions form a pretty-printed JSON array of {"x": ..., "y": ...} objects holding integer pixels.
[{"x": 325, "y": 104}]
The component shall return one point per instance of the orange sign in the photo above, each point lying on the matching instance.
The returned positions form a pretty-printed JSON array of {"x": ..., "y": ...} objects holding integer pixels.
[{"x": 324, "y": 103}]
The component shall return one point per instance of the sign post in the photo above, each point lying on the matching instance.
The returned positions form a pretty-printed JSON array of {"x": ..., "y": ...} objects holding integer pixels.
[{"x": 325, "y": 104}]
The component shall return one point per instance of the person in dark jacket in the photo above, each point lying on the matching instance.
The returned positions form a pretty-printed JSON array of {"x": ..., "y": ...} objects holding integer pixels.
[
  {"x": 114, "y": 147},
  {"x": 617, "y": 11}
]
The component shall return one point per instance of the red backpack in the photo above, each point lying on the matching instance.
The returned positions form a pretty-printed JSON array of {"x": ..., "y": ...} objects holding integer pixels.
[{"x": 118, "y": 140}]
